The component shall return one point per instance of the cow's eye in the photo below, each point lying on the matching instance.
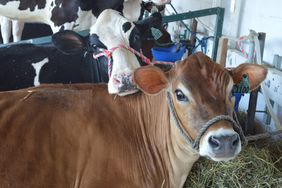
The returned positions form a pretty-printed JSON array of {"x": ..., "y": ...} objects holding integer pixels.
[
  {"x": 136, "y": 37},
  {"x": 180, "y": 96}
]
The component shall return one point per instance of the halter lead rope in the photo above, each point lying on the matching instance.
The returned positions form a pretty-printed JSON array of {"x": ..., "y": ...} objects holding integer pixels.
[
  {"x": 187, "y": 138},
  {"x": 196, "y": 142},
  {"x": 108, "y": 54}
]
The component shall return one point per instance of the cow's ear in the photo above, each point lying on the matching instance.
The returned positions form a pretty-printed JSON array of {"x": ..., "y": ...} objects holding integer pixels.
[
  {"x": 69, "y": 42},
  {"x": 150, "y": 79},
  {"x": 255, "y": 73}
]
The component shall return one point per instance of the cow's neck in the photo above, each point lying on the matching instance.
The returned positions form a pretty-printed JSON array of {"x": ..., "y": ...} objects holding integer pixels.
[
  {"x": 173, "y": 154},
  {"x": 182, "y": 156}
]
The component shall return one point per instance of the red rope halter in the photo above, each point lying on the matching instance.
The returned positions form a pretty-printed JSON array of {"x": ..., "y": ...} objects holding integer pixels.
[{"x": 108, "y": 54}]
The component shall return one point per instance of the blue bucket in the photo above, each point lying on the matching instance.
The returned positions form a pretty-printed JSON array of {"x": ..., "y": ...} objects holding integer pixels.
[{"x": 169, "y": 54}]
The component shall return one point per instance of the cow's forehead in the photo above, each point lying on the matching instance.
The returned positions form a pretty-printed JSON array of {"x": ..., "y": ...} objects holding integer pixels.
[
  {"x": 201, "y": 76},
  {"x": 112, "y": 20},
  {"x": 112, "y": 29}
]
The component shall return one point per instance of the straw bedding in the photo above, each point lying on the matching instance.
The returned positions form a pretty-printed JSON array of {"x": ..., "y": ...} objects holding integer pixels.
[{"x": 257, "y": 166}]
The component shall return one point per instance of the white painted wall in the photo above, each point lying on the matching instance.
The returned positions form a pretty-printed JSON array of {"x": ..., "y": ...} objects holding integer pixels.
[{"x": 265, "y": 16}]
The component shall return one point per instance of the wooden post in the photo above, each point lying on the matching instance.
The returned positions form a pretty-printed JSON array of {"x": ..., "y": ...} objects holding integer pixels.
[
  {"x": 222, "y": 51},
  {"x": 192, "y": 38}
]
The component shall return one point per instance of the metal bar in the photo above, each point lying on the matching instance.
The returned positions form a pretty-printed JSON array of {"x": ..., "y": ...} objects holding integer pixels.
[
  {"x": 193, "y": 14},
  {"x": 48, "y": 39},
  {"x": 218, "y": 11},
  {"x": 249, "y": 128},
  {"x": 41, "y": 40},
  {"x": 261, "y": 111}
]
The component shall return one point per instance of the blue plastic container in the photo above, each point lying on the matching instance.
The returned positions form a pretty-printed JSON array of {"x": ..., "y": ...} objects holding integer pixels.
[{"x": 169, "y": 54}]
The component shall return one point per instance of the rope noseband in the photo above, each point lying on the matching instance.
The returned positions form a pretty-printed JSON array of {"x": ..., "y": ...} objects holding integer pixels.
[{"x": 208, "y": 124}]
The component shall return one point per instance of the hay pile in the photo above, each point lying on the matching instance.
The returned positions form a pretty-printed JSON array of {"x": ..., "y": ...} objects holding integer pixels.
[{"x": 255, "y": 167}]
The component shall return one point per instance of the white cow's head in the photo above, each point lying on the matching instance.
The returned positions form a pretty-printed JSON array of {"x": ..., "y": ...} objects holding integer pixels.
[
  {"x": 133, "y": 8},
  {"x": 110, "y": 31},
  {"x": 158, "y": 2}
]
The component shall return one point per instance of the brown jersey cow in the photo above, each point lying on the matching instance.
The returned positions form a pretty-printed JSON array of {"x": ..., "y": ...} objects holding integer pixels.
[{"x": 80, "y": 136}]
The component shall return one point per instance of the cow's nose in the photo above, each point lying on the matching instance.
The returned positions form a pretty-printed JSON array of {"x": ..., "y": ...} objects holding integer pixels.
[
  {"x": 124, "y": 84},
  {"x": 224, "y": 144}
]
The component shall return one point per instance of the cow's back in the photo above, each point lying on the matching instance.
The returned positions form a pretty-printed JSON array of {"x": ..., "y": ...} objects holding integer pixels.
[
  {"x": 25, "y": 65},
  {"x": 68, "y": 136}
]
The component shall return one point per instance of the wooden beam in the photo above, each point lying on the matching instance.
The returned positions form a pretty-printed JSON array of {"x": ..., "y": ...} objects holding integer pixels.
[
  {"x": 222, "y": 51},
  {"x": 192, "y": 38}
]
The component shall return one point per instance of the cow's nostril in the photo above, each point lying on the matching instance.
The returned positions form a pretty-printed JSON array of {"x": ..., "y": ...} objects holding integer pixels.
[
  {"x": 214, "y": 142},
  {"x": 235, "y": 140},
  {"x": 116, "y": 81}
]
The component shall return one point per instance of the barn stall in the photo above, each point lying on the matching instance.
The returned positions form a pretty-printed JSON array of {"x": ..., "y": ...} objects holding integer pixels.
[{"x": 226, "y": 39}]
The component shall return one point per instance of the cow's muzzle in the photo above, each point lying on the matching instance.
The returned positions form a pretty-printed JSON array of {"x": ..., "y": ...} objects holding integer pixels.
[{"x": 122, "y": 84}]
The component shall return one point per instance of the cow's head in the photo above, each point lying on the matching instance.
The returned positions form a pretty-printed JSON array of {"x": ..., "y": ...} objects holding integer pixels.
[
  {"x": 200, "y": 91},
  {"x": 110, "y": 31},
  {"x": 159, "y": 2},
  {"x": 113, "y": 29}
]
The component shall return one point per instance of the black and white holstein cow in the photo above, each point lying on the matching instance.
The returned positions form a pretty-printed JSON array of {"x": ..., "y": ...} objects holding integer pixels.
[
  {"x": 72, "y": 14},
  {"x": 26, "y": 65}
]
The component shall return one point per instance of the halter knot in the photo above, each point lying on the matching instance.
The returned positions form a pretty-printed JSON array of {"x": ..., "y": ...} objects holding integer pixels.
[{"x": 108, "y": 54}]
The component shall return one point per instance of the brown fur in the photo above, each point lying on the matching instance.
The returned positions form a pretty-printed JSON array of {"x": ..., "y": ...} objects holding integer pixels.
[
  {"x": 207, "y": 82},
  {"x": 49, "y": 139}
]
